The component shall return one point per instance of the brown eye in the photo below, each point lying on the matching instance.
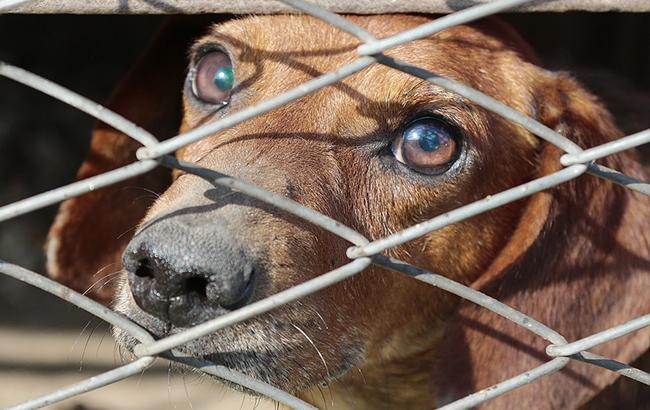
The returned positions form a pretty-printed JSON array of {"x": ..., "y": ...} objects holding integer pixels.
[
  {"x": 213, "y": 78},
  {"x": 427, "y": 146}
]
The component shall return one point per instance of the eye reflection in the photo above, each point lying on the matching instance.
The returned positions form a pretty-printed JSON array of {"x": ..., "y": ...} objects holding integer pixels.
[
  {"x": 224, "y": 78},
  {"x": 213, "y": 78},
  {"x": 427, "y": 145}
]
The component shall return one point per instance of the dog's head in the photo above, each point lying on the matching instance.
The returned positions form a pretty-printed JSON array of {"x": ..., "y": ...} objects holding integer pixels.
[{"x": 379, "y": 151}]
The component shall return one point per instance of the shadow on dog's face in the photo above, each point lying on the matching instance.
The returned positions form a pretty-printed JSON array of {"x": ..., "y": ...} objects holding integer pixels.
[{"x": 379, "y": 151}]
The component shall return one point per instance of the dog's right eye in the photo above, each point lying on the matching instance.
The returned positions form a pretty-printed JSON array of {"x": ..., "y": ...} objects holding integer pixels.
[
  {"x": 213, "y": 78},
  {"x": 427, "y": 145}
]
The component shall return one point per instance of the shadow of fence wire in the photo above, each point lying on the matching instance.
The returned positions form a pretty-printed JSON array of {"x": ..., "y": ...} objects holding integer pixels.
[{"x": 362, "y": 253}]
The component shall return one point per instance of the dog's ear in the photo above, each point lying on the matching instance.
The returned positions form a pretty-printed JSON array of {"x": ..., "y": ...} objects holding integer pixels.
[
  {"x": 88, "y": 235},
  {"x": 578, "y": 262}
]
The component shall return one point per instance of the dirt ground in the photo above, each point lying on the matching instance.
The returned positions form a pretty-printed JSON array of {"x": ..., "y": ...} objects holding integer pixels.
[{"x": 38, "y": 362}]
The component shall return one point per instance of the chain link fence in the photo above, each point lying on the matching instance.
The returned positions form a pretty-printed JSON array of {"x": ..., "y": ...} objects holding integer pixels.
[{"x": 364, "y": 252}]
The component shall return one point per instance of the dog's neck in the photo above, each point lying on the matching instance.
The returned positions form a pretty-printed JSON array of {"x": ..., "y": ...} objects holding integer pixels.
[
  {"x": 399, "y": 375},
  {"x": 401, "y": 383}
]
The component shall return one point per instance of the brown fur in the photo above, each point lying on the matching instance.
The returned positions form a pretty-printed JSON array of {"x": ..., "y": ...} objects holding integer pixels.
[{"x": 575, "y": 257}]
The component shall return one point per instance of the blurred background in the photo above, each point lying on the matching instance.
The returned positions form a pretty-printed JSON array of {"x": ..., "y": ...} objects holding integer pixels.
[{"x": 47, "y": 343}]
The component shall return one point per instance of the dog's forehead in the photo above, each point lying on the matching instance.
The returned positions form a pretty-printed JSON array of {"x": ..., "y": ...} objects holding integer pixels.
[
  {"x": 298, "y": 33},
  {"x": 272, "y": 54},
  {"x": 305, "y": 47}
]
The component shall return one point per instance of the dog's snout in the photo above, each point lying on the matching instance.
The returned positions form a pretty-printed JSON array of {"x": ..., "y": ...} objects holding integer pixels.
[{"x": 187, "y": 273}]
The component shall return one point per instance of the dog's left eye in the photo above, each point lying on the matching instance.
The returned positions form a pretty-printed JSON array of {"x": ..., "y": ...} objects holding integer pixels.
[
  {"x": 213, "y": 78},
  {"x": 427, "y": 145}
]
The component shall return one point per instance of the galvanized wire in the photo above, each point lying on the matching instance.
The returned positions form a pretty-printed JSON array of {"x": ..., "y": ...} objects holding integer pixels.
[
  {"x": 613, "y": 365},
  {"x": 491, "y": 392},
  {"x": 77, "y": 101},
  {"x": 455, "y": 19},
  {"x": 225, "y": 373},
  {"x": 598, "y": 338},
  {"x": 363, "y": 253},
  {"x": 75, "y": 189},
  {"x": 619, "y": 178},
  {"x": 621, "y": 144},
  {"x": 172, "y": 144},
  {"x": 467, "y": 211},
  {"x": 254, "y": 309},
  {"x": 6, "y": 5}
]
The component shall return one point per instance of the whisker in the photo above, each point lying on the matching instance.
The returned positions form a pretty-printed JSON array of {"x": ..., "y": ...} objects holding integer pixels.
[
  {"x": 83, "y": 353},
  {"x": 311, "y": 394},
  {"x": 76, "y": 341},
  {"x": 154, "y": 193},
  {"x": 127, "y": 231},
  {"x": 241, "y": 406},
  {"x": 187, "y": 393},
  {"x": 327, "y": 371},
  {"x": 311, "y": 391},
  {"x": 105, "y": 267},
  {"x": 121, "y": 353},
  {"x": 154, "y": 198},
  {"x": 111, "y": 280},
  {"x": 169, "y": 386},
  {"x": 140, "y": 377},
  {"x": 322, "y": 395},
  {"x": 99, "y": 345},
  {"x": 329, "y": 391},
  {"x": 115, "y": 347},
  {"x": 101, "y": 279},
  {"x": 321, "y": 318}
]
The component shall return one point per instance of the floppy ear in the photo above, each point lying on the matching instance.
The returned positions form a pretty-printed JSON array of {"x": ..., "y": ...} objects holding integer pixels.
[
  {"x": 85, "y": 242},
  {"x": 579, "y": 262}
]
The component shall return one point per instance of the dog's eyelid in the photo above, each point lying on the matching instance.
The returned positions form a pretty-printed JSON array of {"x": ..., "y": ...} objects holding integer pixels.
[
  {"x": 199, "y": 51},
  {"x": 396, "y": 149}
]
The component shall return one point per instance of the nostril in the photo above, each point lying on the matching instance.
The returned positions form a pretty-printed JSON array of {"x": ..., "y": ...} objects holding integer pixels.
[
  {"x": 245, "y": 296},
  {"x": 197, "y": 285},
  {"x": 144, "y": 270}
]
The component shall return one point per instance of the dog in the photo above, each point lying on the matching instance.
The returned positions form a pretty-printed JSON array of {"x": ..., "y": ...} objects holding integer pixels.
[{"x": 379, "y": 151}]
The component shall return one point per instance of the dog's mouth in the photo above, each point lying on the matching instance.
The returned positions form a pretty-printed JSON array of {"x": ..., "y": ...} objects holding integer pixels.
[
  {"x": 190, "y": 357},
  {"x": 278, "y": 348}
]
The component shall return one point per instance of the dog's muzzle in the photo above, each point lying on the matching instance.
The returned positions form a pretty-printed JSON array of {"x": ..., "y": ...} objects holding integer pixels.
[{"x": 185, "y": 269}]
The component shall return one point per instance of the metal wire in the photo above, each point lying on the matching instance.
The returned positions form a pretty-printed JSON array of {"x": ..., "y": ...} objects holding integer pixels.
[
  {"x": 6, "y": 5},
  {"x": 172, "y": 144},
  {"x": 491, "y": 392},
  {"x": 364, "y": 252},
  {"x": 599, "y": 338},
  {"x": 467, "y": 211},
  {"x": 254, "y": 309},
  {"x": 239, "y": 378},
  {"x": 604, "y": 150},
  {"x": 619, "y": 178},
  {"x": 461, "y": 17}
]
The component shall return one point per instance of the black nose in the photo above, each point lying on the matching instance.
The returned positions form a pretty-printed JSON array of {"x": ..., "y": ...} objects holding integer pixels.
[{"x": 185, "y": 270}]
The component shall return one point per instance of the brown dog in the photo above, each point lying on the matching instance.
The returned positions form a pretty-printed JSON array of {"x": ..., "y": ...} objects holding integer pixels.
[{"x": 379, "y": 152}]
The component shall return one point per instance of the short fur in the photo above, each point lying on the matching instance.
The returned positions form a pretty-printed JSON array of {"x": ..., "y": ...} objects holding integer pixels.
[{"x": 574, "y": 257}]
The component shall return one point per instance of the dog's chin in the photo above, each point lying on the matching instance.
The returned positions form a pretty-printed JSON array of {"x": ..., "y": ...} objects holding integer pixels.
[{"x": 265, "y": 348}]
